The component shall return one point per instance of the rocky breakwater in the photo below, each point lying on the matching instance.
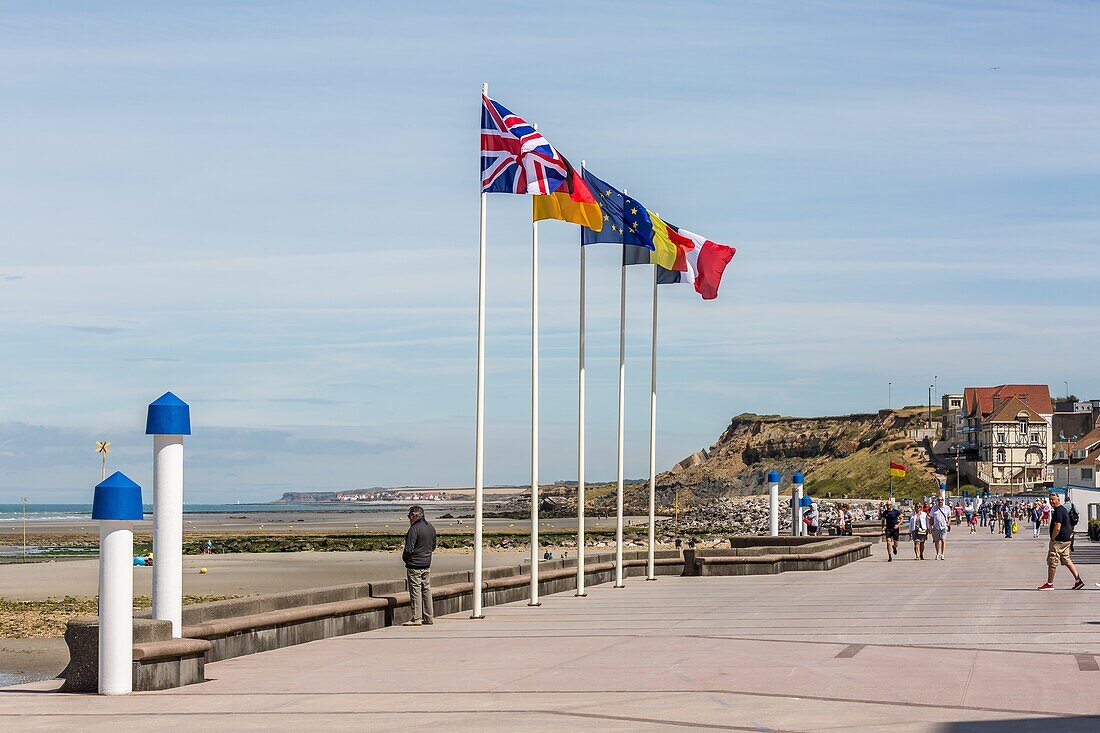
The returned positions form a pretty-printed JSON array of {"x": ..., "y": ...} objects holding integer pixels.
[{"x": 749, "y": 515}]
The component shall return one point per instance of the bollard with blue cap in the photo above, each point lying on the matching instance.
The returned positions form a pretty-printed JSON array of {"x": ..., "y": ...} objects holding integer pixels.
[
  {"x": 169, "y": 419},
  {"x": 943, "y": 491},
  {"x": 116, "y": 505},
  {"x": 796, "y": 503},
  {"x": 773, "y": 502}
]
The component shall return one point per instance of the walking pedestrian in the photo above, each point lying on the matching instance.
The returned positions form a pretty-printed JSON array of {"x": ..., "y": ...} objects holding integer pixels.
[
  {"x": 891, "y": 519},
  {"x": 1058, "y": 551},
  {"x": 419, "y": 546},
  {"x": 1036, "y": 519},
  {"x": 1007, "y": 518},
  {"x": 940, "y": 521},
  {"x": 918, "y": 529}
]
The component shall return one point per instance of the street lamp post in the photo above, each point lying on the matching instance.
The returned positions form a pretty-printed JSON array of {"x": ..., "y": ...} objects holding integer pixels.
[{"x": 930, "y": 406}]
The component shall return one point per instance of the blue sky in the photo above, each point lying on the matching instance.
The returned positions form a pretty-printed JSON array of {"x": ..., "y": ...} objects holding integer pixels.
[{"x": 271, "y": 209}]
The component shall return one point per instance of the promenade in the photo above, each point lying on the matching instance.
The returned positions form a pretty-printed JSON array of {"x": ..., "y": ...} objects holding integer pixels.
[{"x": 961, "y": 645}]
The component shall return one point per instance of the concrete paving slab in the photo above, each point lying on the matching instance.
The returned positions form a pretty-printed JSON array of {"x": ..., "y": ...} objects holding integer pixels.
[{"x": 965, "y": 644}]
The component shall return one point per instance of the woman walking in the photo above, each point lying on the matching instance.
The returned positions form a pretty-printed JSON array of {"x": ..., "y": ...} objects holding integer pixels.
[{"x": 918, "y": 530}]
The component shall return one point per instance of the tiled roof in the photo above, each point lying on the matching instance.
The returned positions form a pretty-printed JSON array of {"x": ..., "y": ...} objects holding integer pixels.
[
  {"x": 1011, "y": 410},
  {"x": 1088, "y": 442},
  {"x": 979, "y": 401}
]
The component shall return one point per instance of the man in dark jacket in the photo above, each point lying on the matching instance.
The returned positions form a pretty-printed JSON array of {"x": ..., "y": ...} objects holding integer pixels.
[{"x": 419, "y": 546}]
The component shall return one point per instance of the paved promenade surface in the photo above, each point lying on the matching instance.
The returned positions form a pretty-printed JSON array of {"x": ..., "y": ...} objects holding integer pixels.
[{"x": 961, "y": 645}]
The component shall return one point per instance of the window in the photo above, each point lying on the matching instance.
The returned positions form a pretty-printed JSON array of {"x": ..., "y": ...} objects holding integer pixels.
[
  {"x": 1000, "y": 455},
  {"x": 1035, "y": 439},
  {"x": 1000, "y": 438},
  {"x": 1086, "y": 474}
]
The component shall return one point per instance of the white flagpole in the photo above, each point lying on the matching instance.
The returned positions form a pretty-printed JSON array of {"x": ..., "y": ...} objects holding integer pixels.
[
  {"x": 479, "y": 430},
  {"x": 651, "y": 565},
  {"x": 534, "y": 414},
  {"x": 622, "y": 403},
  {"x": 580, "y": 436}
]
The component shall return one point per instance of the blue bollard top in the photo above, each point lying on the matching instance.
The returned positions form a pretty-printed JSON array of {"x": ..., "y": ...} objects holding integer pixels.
[
  {"x": 943, "y": 486},
  {"x": 168, "y": 415},
  {"x": 798, "y": 478},
  {"x": 806, "y": 501},
  {"x": 117, "y": 498},
  {"x": 774, "y": 477}
]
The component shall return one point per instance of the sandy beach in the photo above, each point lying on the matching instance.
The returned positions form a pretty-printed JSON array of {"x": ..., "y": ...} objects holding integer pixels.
[{"x": 227, "y": 575}]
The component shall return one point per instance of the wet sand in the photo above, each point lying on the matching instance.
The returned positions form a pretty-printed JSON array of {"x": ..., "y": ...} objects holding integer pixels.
[{"x": 313, "y": 522}]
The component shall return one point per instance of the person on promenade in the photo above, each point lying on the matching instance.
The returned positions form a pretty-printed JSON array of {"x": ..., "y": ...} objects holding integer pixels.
[
  {"x": 994, "y": 517},
  {"x": 811, "y": 519},
  {"x": 969, "y": 511},
  {"x": 1036, "y": 519},
  {"x": 918, "y": 528},
  {"x": 419, "y": 546},
  {"x": 1058, "y": 551},
  {"x": 940, "y": 520},
  {"x": 891, "y": 521},
  {"x": 1007, "y": 518}
]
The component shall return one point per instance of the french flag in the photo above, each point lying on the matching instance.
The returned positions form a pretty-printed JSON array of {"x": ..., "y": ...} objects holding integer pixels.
[{"x": 699, "y": 262}]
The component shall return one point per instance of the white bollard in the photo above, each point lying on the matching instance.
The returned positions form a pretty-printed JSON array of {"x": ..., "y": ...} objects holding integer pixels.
[
  {"x": 800, "y": 529},
  {"x": 773, "y": 503},
  {"x": 943, "y": 492},
  {"x": 117, "y": 504},
  {"x": 169, "y": 419}
]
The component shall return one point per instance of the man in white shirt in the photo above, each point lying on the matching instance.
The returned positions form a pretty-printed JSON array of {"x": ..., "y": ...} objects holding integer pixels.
[{"x": 940, "y": 518}]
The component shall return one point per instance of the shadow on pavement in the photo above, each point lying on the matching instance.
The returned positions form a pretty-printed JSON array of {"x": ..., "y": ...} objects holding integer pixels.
[{"x": 1076, "y": 724}]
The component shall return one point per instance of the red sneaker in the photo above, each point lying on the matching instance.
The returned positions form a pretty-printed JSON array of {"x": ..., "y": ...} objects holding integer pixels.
[
  {"x": 1079, "y": 584},
  {"x": 1046, "y": 586}
]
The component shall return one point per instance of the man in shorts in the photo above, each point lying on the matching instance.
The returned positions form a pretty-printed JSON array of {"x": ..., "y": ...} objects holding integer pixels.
[
  {"x": 939, "y": 521},
  {"x": 1058, "y": 551},
  {"x": 891, "y": 525}
]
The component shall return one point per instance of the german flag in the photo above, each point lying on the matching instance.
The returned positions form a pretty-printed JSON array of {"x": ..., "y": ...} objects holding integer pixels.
[
  {"x": 897, "y": 469},
  {"x": 572, "y": 202}
]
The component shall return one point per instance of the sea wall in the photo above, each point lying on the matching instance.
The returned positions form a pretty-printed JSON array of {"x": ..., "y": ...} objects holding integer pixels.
[{"x": 226, "y": 629}]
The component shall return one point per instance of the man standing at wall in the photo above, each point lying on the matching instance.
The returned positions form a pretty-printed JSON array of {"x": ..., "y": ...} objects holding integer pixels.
[
  {"x": 419, "y": 546},
  {"x": 1058, "y": 551}
]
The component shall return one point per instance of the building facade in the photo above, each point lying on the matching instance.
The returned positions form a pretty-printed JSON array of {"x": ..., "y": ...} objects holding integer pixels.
[
  {"x": 953, "y": 419},
  {"x": 1007, "y": 437}
]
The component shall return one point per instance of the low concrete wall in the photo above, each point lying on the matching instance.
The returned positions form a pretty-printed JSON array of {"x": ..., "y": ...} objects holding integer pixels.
[
  {"x": 233, "y": 628},
  {"x": 824, "y": 553},
  {"x": 159, "y": 661}
]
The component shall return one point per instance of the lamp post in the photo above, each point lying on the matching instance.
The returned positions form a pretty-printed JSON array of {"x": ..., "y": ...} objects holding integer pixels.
[
  {"x": 117, "y": 505},
  {"x": 169, "y": 419},
  {"x": 930, "y": 387}
]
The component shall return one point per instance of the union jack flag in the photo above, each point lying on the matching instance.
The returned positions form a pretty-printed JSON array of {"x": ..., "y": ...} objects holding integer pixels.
[{"x": 515, "y": 158}]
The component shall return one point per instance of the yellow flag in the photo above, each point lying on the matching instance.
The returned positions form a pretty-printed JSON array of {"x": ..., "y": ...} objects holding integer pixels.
[{"x": 664, "y": 251}]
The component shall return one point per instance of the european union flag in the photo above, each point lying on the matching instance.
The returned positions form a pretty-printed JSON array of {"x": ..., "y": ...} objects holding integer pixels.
[{"x": 625, "y": 221}]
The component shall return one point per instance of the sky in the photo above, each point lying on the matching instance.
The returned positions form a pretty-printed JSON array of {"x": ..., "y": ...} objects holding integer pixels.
[{"x": 271, "y": 209}]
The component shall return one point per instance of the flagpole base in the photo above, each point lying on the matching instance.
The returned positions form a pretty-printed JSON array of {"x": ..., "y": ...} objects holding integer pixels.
[
  {"x": 475, "y": 618},
  {"x": 650, "y": 578},
  {"x": 618, "y": 586},
  {"x": 535, "y": 604},
  {"x": 580, "y": 595}
]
